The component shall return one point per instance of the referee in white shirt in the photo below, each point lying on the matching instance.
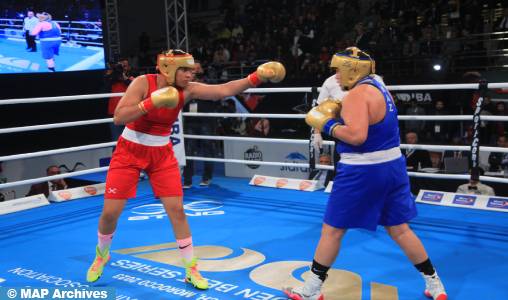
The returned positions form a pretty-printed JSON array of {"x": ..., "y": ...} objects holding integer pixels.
[{"x": 28, "y": 24}]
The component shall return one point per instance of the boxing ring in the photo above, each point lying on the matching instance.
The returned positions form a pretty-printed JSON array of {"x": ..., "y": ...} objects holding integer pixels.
[{"x": 252, "y": 240}]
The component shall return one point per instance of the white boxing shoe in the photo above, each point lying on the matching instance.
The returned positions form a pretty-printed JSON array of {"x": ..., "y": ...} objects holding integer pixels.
[
  {"x": 434, "y": 288},
  {"x": 311, "y": 290}
]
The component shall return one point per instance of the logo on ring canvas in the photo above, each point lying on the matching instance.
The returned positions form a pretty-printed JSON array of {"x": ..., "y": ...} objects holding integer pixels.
[{"x": 193, "y": 209}]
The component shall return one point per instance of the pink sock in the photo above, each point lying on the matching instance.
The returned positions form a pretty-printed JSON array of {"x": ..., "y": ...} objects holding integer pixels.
[
  {"x": 104, "y": 240},
  {"x": 185, "y": 247}
]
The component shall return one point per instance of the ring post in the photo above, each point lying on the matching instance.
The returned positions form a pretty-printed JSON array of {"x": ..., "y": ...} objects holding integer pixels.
[
  {"x": 312, "y": 156},
  {"x": 475, "y": 145}
]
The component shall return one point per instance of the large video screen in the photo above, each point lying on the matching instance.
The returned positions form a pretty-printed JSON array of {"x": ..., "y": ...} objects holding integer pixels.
[{"x": 50, "y": 36}]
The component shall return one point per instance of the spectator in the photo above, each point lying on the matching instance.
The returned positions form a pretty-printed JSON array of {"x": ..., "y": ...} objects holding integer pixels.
[
  {"x": 119, "y": 83},
  {"x": 415, "y": 110},
  {"x": 260, "y": 127},
  {"x": 438, "y": 131},
  {"x": 500, "y": 127},
  {"x": 226, "y": 124},
  {"x": 503, "y": 22},
  {"x": 415, "y": 159},
  {"x": 456, "y": 141},
  {"x": 46, "y": 187},
  {"x": 475, "y": 187},
  {"x": 498, "y": 160},
  {"x": 321, "y": 175},
  {"x": 200, "y": 126},
  {"x": 221, "y": 55}
]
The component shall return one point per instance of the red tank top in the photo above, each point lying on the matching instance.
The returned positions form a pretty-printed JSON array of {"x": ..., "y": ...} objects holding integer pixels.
[{"x": 158, "y": 121}]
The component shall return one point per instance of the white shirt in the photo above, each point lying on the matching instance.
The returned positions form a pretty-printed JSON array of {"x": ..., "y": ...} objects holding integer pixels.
[
  {"x": 482, "y": 189},
  {"x": 29, "y": 23},
  {"x": 331, "y": 89}
]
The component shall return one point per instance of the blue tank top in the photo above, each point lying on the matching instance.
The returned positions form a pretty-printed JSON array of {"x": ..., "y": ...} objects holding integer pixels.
[
  {"x": 53, "y": 33},
  {"x": 382, "y": 135}
]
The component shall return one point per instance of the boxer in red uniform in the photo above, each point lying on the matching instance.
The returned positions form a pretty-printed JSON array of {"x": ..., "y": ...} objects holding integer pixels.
[{"x": 149, "y": 107}]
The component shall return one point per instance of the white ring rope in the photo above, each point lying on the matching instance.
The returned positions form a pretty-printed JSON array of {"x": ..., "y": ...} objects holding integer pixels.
[
  {"x": 468, "y": 86},
  {"x": 246, "y": 139},
  {"x": 257, "y": 90},
  {"x": 232, "y": 138},
  {"x": 247, "y": 115},
  {"x": 257, "y": 162},
  {"x": 247, "y": 162},
  {"x": 58, "y": 98},
  {"x": 302, "y": 116},
  {"x": 60, "y": 176},
  {"x": 452, "y": 118},
  {"x": 275, "y": 116},
  {"x": 57, "y": 151},
  {"x": 457, "y": 176},
  {"x": 55, "y": 125},
  {"x": 304, "y": 165},
  {"x": 331, "y": 143}
]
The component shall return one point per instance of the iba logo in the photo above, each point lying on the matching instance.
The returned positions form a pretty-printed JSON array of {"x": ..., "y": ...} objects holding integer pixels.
[
  {"x": 253, "y": 154},
  {"x": 194, "y": 209},
  {"x": 340, "y": 285}
]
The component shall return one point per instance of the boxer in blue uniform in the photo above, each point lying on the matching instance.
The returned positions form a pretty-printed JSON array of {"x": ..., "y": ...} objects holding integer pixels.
[
  {"x": 371, "y": 187},
  {"x": 49, "y": 35}
]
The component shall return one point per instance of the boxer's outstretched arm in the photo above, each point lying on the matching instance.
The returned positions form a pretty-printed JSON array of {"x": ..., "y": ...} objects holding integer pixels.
[
  {"x": 270, "y": 71},
  {"x": 203, "y": 91}
]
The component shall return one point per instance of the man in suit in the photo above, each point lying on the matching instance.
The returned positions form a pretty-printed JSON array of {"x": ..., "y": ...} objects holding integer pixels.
[
  {"x": 416, "y": 159},
  {"x": 321, "y": 175},
  {"x": 45, "y": 187},
  {"x": 456, "y": 141}
]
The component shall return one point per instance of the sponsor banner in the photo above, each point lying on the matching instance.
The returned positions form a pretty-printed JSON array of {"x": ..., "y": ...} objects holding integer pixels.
[
  {"x": 432, "y": 197},
  {"x": 266, "y": 151},
  {"x": 462, "y": 200},
  {"x": 285, "y": 183},
  {"x": 177, "y": 140},
  {"x": 499, "y": 203},
  {"x": 77, "y": 193},
  {"x": 23, "y": 204}
]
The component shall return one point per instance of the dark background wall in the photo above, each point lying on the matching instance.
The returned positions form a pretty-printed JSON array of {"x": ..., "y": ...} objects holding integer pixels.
[{"x": 55, "y": 84}]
